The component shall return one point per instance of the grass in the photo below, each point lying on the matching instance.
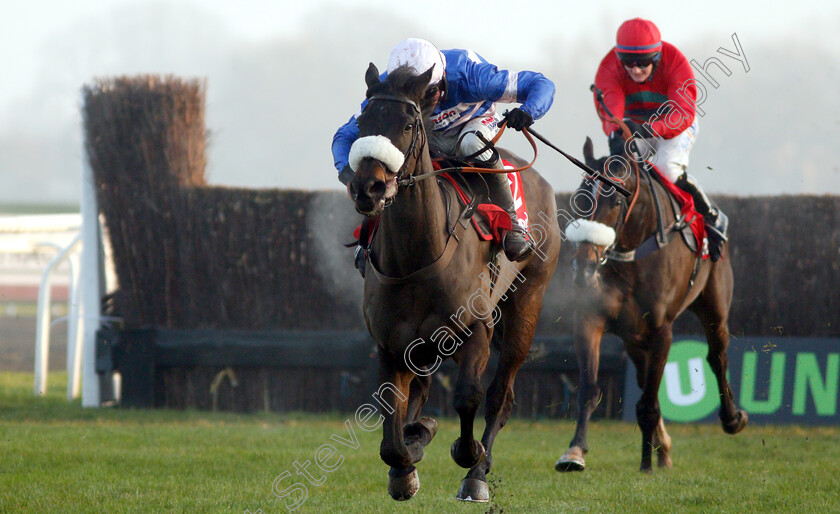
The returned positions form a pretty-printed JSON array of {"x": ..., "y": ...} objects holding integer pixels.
[
  {"x": 57, "y": 457},
  {"x": 37, "y": 208}
]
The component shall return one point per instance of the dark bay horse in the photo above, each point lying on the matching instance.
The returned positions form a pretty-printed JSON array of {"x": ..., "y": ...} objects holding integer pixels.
[
  {"x": 429, "y": 295},
  {"x": 638, "y": 298}
]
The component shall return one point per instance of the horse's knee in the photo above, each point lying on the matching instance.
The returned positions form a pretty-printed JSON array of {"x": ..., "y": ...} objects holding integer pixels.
[{"x": 393, "y": 456}]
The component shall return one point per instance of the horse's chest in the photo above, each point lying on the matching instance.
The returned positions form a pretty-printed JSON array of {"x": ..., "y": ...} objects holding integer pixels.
[{"x": 396, "y": 320}]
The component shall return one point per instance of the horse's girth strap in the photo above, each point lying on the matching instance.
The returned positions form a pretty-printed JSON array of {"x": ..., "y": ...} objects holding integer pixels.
[{"x": 432, "y": 269}]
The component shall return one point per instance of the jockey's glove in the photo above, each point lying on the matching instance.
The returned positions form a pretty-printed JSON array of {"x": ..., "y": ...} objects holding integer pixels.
[{"x": 518, "y": 119}]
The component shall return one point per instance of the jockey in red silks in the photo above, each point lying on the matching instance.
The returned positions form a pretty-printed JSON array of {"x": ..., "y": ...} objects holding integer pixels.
[
  {"x": 465, "y": 89},
  {"x": 650, "y": 84}
]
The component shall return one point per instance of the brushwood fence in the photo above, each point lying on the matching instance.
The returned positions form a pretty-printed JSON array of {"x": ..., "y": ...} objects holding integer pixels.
[{"x": 192, "y": 258}]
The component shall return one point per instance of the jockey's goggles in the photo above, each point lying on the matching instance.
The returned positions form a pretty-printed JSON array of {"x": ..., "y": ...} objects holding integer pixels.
[{"x": 633, "y": 61}]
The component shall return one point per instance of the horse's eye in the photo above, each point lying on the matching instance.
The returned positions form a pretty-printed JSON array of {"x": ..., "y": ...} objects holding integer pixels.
[{"x": 408, "y": 127}]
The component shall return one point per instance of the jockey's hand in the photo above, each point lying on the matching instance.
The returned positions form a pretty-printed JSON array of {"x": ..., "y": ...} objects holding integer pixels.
[
  {"x": 637, "y": 129},
  {"x": 346, "y": 174},
  {"x": 616, "y": 142},
  {"x": 518, "y": 119}
]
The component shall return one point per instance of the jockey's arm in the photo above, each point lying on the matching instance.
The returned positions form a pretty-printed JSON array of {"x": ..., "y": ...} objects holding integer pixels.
[
  {"x": 531, "y": 89},
  {"x": 535, "y": 92},
  {"x": 610, "y": 85},
  {"x": 343, "y": 139}
]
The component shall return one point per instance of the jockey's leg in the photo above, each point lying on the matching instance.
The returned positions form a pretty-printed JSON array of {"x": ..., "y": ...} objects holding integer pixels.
[
  {"x": 672, "y": 161},
  {"x": 716, "y": 221},
  {"x": 516, "y": 246},
  {"x": 473, "y": 138}
]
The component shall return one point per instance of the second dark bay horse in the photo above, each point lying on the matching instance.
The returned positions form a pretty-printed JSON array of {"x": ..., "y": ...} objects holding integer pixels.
[
  {"x": 430, "y": 295},
  {"x": 634, "y": 289}
]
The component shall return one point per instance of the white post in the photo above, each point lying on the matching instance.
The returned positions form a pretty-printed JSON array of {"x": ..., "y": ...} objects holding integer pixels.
[
  {"x": 42, "y": 331},
  {"x": 90, "y": 285}
]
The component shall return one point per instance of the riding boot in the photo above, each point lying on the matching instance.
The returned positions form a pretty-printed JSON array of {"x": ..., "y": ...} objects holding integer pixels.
[
  {"x": 717, "y": 222},
  {"x": 515, "y": 243}
]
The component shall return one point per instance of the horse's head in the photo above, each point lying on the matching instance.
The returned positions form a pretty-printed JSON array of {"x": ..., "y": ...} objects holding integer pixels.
[
  {"x": 391, "y": 137},
  {"x": 601, "y": 212}
]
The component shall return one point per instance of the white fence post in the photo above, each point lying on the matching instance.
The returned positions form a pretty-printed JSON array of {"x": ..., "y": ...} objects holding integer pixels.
[
  {"x": 74, "y": 331},
  {"x": 91, "y": 286}
]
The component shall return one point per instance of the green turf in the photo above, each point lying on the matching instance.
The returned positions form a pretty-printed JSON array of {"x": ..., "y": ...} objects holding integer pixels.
[{"x": 57, "y": 457}]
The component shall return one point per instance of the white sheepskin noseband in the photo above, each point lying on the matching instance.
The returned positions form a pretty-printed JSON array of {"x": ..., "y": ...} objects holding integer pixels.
[
  {"x": 376, "y": 147},
  {"x": 590, "y": 232}
]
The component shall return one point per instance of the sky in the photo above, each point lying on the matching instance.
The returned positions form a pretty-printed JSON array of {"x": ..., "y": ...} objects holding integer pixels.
[{"x": 282, "y": 76}]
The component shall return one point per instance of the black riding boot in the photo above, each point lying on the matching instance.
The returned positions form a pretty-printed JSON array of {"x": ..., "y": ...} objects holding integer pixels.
[
  {"x": 716, "y": 221},
  {"x": 515, "y": 243}
]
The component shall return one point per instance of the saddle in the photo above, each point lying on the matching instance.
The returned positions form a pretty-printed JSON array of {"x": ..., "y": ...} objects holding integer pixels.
[
  {"x": 688, "y": 222},
  {"x": 693, "y": 226}
]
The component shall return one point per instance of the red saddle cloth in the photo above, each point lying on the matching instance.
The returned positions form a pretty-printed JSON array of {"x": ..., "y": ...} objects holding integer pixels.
[
  {"x": 693, "y": 218},
  {"x": 497, "y": 221}
]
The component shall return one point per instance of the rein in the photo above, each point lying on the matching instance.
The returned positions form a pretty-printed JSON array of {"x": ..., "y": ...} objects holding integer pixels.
[
  {"x": 659, "y": 239},
  {"x": 412, "y": 179}
]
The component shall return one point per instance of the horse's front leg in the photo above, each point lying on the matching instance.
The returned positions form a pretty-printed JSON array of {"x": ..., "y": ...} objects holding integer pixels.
[
  {"x": 393, "y": 394},
  {"x": 418, "y": 431},
  {"x": 588, "y": 331},
  {"x": 472, "y": 359}
]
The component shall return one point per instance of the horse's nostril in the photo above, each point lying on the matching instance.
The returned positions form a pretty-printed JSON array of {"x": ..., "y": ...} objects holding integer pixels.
[{"x": 375, "y": 189}]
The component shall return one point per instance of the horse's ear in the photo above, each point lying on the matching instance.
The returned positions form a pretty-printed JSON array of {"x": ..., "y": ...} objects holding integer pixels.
[
  {"x": 588, "y": 151},
  {"x": 371, "y": 76},
  {"x": 416, "y": 87}
]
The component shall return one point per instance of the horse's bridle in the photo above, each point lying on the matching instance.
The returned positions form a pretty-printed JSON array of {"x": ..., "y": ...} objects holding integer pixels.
[
  {"x": 403, "y": 178},
  {"x": 623, "y": 215}
]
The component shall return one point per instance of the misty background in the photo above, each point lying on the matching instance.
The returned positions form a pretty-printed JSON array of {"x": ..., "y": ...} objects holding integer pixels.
[{"x": 281, "y": 78}]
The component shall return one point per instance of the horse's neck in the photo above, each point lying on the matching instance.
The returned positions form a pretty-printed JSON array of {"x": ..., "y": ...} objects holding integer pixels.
[
  {"x": 413, "y": 229},
  {"x": 643, "y": 220}
]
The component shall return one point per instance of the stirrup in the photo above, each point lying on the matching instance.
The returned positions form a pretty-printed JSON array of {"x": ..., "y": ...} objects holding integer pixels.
[{"x": 719, "y": 225}]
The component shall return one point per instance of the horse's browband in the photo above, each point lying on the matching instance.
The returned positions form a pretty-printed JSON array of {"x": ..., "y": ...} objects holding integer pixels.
[{"x": 393, "y": 98}]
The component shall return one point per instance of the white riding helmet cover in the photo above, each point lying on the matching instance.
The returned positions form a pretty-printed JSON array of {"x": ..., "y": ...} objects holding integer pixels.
[{"x": 420, "y": 55}]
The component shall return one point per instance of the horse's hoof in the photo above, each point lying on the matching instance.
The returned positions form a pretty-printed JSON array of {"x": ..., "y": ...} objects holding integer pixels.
[
  {"x": 401, "y": 485},
  {"x": 736, "y": 424},
  {"x": 572, "y": 460},
  {"x": 467, "y": 459},
  {"x": 664, "y": 461},
  {"x": 473, "y": 490}
]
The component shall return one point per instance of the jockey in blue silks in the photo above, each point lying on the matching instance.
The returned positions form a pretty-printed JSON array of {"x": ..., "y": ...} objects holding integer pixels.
[{"x": 465, "y": 89}]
